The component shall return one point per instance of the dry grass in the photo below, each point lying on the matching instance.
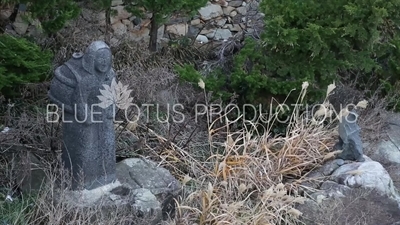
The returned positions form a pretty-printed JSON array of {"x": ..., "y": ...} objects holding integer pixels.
[
  {"x": 229, "y": 176},
  {"x": 241, "y": 180},
  {"x": 237, "y": 179}
]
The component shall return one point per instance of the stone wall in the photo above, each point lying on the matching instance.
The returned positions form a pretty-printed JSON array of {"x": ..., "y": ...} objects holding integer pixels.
[{"x": 219, "y": 20}]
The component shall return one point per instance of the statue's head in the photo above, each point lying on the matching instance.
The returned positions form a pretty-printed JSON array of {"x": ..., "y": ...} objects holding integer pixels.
[{"x": 98, "y": 58}]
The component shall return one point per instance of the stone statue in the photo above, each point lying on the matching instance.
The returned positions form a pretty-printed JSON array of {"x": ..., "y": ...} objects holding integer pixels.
[
  {"x": 349, "y": 138},
  {"x": 88, "y": 130}
]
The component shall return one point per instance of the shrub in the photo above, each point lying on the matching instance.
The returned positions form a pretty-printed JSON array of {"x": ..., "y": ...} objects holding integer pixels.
[
  {"x": 53, "y": 15},
  {"x": 315, "y": 41},
  {"x": 21, "y": 62}
]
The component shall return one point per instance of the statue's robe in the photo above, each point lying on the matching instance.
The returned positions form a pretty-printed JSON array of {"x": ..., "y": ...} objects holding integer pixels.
[{"x": 88, "y": 137}]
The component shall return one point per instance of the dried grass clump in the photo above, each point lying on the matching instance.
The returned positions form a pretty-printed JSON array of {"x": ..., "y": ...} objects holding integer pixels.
[{"x": 242, "y": 180}]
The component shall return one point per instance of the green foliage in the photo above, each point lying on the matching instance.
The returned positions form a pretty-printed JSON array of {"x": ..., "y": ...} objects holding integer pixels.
[
  {"x": 52, "y": 14},
  {"x": 163, "y": 8},
  {"x": 214, "y": 82},
  {"x": 316, "y": 41},
  {"x": 21, "y": 62}
]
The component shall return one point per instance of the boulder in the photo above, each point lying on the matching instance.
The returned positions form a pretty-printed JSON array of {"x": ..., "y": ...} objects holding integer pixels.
[
  {"x": 20, "y": 25},
  {"x": 177, "y": 29},
  {"x": 210, "y": 11}
]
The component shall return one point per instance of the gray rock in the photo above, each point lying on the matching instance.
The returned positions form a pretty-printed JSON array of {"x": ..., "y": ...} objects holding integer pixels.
[
  {"x": 367, "y": 175},
  {"x": 349, "y": 138},
  {"x": 193, "y": 31},
  {"x": 141, "y": 173},
  {"x": 242, "y": 10},
  {"x": 235, "y": 3},
  {"x": 142, "y": 189},
  {"x": 220, "y": 34},
  {"x": 210, "y": 11},
  {"x": 117, "y": 2},
  {"x": 20, "y": 25},
  {"x": 88, "y": 151},
  {"x": 228, "y": 10},
  {"x": 202, "y": 39}
]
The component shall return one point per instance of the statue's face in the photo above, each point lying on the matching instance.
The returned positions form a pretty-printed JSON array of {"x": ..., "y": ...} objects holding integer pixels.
[{"x": 102, "y": 61}]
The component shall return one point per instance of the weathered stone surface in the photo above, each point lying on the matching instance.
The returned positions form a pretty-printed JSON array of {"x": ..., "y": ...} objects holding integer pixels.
[
  {"x": 222, "y": 34},
  {"x": 235, "y": 3},
  {"x": 349, "y": 138},
  {"x": 202, "y": 39},
  {"x": 368, "y": 174},
  {"x": 117, "y": 2},
  {"x": 5, "y": 13},
  {"x": 228, "y": 10},
  {"x": 138, "y": 35},
  {"x": 210, "y": 11},
  {"x": 178, "y": 29},
  {"x": 233, "y": 13},
  {"x": 120, "y": 15},
  {"x": 119, "y": 28},
  {"x": 242, "y": 10},
  {"x": 195, "y": 22},
  {"x": 142, "y": 173},
  {"x": 234, "y": 27},
  {"x": 88, "y": 150},
  {"x": 218, "y": 13},
  {"x": 221, "y": 22},
  {"x": 20, "y": 25}
]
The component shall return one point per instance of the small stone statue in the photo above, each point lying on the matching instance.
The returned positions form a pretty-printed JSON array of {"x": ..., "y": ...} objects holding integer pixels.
[
  {"x": 88, "y": 130},
  {"x": 349, "y": 138}
]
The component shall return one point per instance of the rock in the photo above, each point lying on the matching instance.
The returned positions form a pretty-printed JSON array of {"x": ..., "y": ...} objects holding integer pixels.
[
  {"x": 349, "y": 138},
  {"x": 242, "y": 10},
  {"x": 5, "y": 13},
  {"x": 332, "y": 189},
  {"x": 235, "y": 27},
  {"x": 136, "y": 20},
  {"x": 202, "y": 39},
  {"x": 222, "y": 34},
  {"x": 142, "y": 173},
  {"x": 126, "y": 22},
  {"x": 177, "y": 29},
  {"x": 259, "y": 16},
  {"x": 388, "y": 152},
  {"x": 120, "y": 14},
  {"x": 210, "y": 11},
  {"x": 221, "y": 22},
  {"x": 117, "y": 2},
  {"x": 176, "y": 20},
  {"x": 193, "y": 31},
  {"x": 119, "y": 28},
  {"x": 235, "y": 3},
  {"x": 195, "y": 22},
  {"x": 233, "y": 14},
  {"x": 368, "y": 174},
  {"x": 160, "y": 32},
  {"x": 139, "y": 35},
  {"x": 20, "y": 25},
  {"x": 228, "y": 10},
  {"x": 140, "y": 202},
  {"x": 316, "y": 177}
]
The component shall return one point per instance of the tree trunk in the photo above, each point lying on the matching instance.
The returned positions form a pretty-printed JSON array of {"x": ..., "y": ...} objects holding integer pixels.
[
  {"x": 108, "y": 26},
  {"x": 153, "y": 35}
]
